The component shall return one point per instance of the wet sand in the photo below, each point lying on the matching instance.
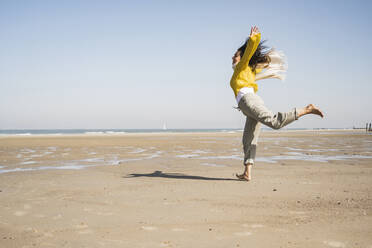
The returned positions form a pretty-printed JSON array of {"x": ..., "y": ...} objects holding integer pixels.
[{"x": 309, "y": 189}]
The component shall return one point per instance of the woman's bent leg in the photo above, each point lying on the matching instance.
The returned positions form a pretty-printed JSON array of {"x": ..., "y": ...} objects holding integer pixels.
[{"x": 253, "y": 106}]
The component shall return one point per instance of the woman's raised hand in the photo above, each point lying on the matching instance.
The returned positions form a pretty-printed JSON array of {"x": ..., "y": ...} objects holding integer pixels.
[{"x": 254, "y": 31}]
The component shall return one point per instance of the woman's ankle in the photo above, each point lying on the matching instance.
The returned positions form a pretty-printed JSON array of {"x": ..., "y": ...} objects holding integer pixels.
[
  {"x": 247, "y": 171},
  {"x": 248, "y": 165}
]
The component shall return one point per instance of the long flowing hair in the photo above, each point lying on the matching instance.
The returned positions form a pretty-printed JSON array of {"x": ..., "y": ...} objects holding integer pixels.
[{"x": 260, "y": 57}]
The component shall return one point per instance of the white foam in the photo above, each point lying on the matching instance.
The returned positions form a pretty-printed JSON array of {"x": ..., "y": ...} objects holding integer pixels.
[
  {"x": 114, "y": 162},
  {"x": 236, "y": 157},
  {"x": 265, "y": 160},
  {"x": 16, "y": 169},
  {"x": 294, "y": 149},
  {"x": 213, "y": 165},
  {"x": 28, "y": 162},
  {"x": 92, "y": 160},
  {"x": 26, "y": 150},
  {"x": 112, "y": 132},
  {"x": 125, "y": 147},
  {"x": 151, "y": 156},
  {"x": 155, "y": 155},
  {"x": 313, "y": 158},
  {"x": 23, "y": 134},
  {"x": 187, "y": 155},
  {"x": 200, "y": 152},
  {"x": 36, "y": 155},
  {"x": 64, "y": 167},
  {"x": 93, "y": 133},
  {"x": 119, "y": 161},
  {"x": 312, "y": 150},
  {"x": 104, "y": 133},
  {"x": 138, "y": 150}
]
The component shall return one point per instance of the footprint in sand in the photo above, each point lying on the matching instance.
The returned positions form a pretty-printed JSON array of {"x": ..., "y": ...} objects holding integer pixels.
[
  {"x": 105, "y": 214},
  {"x": 336, "y": 244},
  {"x": 87, "y": 231},
  {"x": 165, "y": 244},
  {"x": 243, "y": 233},
  {"x": 176, "y": 229},
  {"x": 39, "y": 215},
  {"x": 297, "y": 212},
  {"x": 253, "y": 225},
  {"x": 257, "y": 226},
  {"x": 58, "y": 216},
  {"x": 81, "y": 226},
  {"x": 31, "y": 229},
  {"x": 149, "y": 228},
  {"x": 20, "y": 213},
  {"x": 48, "y": 234}
]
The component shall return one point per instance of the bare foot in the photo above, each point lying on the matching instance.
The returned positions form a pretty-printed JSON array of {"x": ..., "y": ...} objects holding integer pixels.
[
  {"x": 311, "y": 109},
  {"x": 243, "y": 177}
]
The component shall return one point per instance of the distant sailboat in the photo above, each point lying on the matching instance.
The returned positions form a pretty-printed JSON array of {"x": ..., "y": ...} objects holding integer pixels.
[{"x": 164, "y": 126}]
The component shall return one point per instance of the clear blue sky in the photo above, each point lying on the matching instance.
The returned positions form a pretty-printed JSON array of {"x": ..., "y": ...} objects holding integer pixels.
[{"x": 138, "y": 64}]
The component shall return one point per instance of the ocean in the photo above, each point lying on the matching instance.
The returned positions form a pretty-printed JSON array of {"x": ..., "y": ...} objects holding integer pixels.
[{"x": 27, "y": 132}]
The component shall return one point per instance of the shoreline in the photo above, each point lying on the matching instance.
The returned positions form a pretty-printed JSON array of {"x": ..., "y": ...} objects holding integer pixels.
[{"x": 223, "y": 131}]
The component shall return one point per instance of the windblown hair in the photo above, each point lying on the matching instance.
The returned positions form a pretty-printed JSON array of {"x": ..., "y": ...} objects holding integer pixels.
[{"x": 259, "y": 57}]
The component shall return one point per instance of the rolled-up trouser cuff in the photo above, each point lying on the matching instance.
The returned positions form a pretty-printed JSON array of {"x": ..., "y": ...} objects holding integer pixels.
[
  {"x": 296, "y": 113},
  {"x": 249, "y": 161}
]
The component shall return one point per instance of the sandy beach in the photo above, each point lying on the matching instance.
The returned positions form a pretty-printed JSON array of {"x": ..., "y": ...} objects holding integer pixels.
[{"x": 309, "y": 189}]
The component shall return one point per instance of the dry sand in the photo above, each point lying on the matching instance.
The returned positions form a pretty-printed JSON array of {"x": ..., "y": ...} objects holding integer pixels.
[{"x": 309, "y": 189}]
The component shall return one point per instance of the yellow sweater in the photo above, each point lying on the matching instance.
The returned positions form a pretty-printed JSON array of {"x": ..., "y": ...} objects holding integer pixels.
[{"x": 243, "y": 75}]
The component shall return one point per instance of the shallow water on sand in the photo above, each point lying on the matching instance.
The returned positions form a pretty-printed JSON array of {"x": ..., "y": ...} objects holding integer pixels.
[
  {"x": 272, "y": 148},
  {"x": 35, "y": 159}
]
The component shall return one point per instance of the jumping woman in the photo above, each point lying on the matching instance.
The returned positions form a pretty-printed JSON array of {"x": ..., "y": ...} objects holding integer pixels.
[{"x": 253, "y": 62}]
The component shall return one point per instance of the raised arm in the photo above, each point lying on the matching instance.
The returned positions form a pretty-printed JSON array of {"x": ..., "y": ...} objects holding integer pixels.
[{"x": 252, "y": 44}]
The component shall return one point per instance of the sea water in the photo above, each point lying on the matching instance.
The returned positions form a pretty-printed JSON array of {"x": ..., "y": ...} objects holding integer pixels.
[{"x": 28, "y": 132}]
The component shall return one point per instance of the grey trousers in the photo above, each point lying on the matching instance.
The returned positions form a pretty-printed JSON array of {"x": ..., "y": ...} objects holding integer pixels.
[{"x": 254, "y": 109}]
